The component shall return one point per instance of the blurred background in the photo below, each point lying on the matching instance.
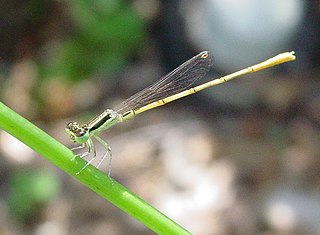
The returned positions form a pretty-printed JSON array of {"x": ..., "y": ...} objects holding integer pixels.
[{"x": 239, "y": 158}]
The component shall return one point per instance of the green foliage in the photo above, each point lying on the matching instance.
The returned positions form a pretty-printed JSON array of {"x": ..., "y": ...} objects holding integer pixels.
[
  {"x": 105, "y": 34},
  {"x": 29, "y": 191}
]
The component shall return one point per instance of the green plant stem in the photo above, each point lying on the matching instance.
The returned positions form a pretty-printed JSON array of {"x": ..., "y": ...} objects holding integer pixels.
[{"x": 91, "y": 177}]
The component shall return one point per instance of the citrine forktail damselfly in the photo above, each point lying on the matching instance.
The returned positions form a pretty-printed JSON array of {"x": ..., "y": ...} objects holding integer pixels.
[{"x": 172, "y": 86}]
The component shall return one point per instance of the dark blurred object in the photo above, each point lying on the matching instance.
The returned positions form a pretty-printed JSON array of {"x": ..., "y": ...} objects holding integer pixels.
[
  {"x": 308, "y": 39},
  {"x": 22, "y": 25},
  {"x": 171, "y": 35}
]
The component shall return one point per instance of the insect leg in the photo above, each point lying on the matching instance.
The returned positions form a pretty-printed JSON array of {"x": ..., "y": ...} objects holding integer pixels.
[{"x": 108, "y": 153}]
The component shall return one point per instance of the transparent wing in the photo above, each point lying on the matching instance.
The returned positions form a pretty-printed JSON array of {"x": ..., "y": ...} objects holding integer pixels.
[{"x": 174, "y": 82}]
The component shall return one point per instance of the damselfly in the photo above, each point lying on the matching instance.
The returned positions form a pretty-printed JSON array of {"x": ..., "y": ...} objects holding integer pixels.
[{"x": 172, "y": 86}]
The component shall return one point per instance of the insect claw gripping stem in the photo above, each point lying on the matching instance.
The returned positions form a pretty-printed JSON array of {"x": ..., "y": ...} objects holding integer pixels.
[{"x": 88, "y": 163}]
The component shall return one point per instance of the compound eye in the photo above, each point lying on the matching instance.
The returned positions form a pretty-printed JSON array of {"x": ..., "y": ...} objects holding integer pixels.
[
  {"x": 72, "y": 125},
  {"x": 81, "y": 132},
  {"x": 75, "y": 129}
]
